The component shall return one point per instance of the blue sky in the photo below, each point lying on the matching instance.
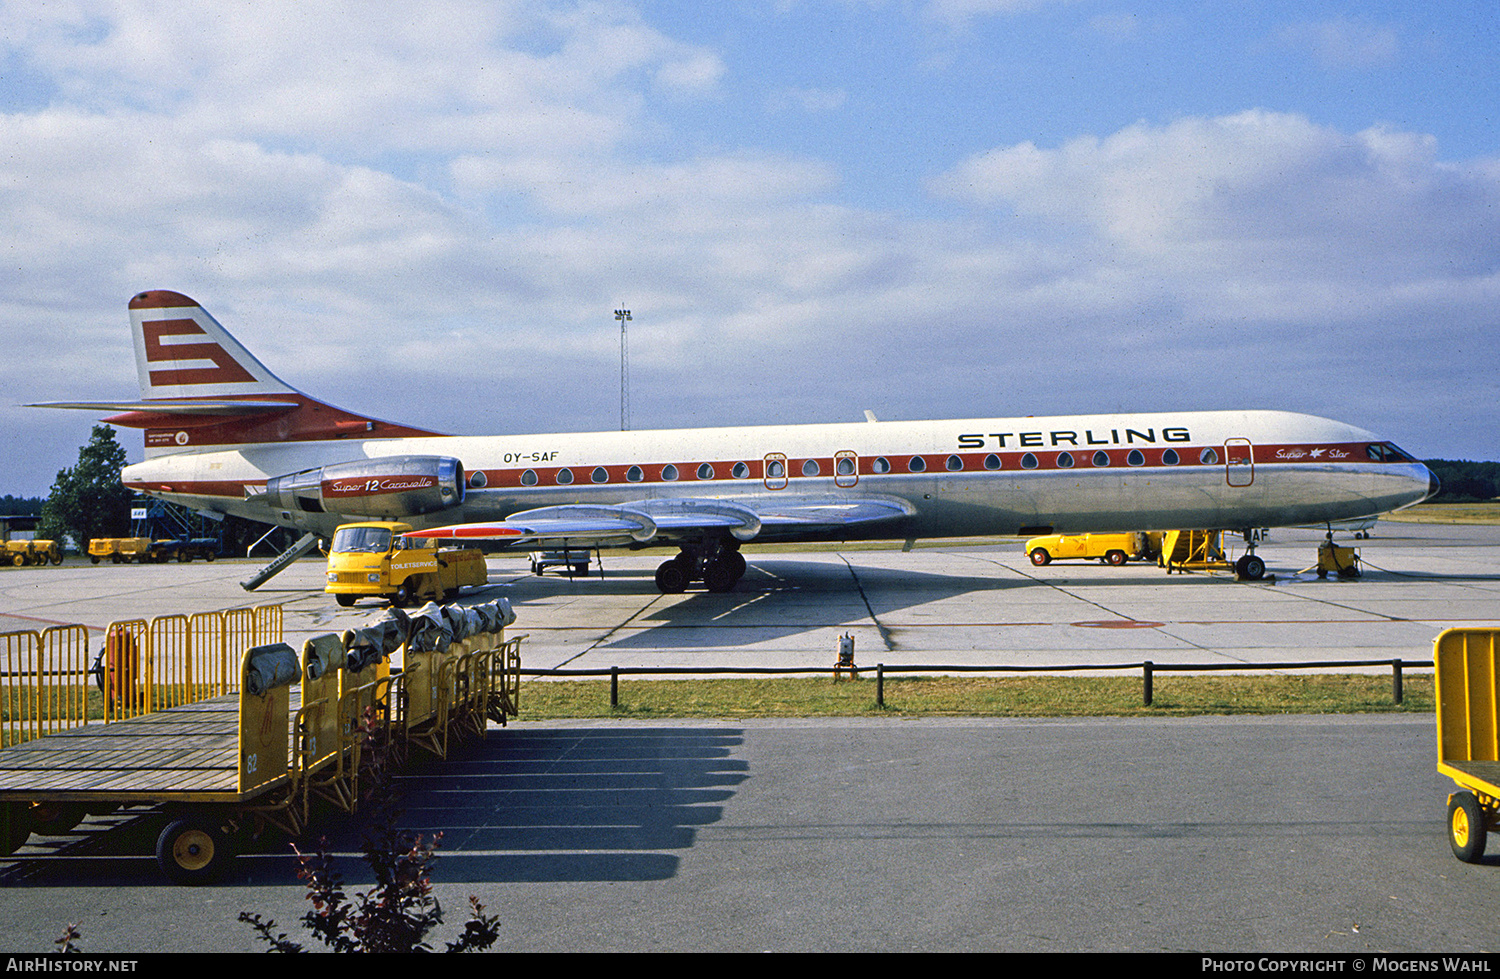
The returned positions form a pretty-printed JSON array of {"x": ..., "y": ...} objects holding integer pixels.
[{"x": 928, "y": 208}]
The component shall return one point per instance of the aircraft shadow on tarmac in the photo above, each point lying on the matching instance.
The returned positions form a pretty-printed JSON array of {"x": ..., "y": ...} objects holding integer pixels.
[
  {"x": 778, "y": 599},
  {"x": 549, "y": 804}
]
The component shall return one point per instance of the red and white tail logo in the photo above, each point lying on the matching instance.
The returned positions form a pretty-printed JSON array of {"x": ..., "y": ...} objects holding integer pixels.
[{"x": 182, "y": 352}]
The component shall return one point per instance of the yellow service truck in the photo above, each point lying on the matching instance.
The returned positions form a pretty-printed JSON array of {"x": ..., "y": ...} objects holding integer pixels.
[
  {"x": 1113, "y": 549},
  {"x": 373, "y": 559}
]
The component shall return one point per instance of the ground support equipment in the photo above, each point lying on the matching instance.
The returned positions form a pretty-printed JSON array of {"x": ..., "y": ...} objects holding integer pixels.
[
  {"x": 1467, "y": 678},
  {"x": 291, "y": 732}
]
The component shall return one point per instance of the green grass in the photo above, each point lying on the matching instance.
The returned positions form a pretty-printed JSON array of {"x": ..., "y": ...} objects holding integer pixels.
[
  {"x": 1033, "y": 696},
  {"x": 1448, "y": 513}
]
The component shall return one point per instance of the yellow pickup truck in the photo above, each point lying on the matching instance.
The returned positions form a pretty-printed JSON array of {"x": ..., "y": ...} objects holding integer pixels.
[
  {"x": 1113, "y": 549},
  {"x": 373, "y": 559}
]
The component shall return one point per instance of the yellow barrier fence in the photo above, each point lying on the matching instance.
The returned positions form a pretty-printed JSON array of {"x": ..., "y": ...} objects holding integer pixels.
[{"x": 50, "y": 683}]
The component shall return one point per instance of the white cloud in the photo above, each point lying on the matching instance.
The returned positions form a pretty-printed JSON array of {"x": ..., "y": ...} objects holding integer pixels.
[
  {"x": 1343, "y": 43},
  {"x": 466, "y": 191}
]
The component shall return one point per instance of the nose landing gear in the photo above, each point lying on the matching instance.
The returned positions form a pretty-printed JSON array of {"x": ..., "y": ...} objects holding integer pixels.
[{"x": 1250, "y": 567}]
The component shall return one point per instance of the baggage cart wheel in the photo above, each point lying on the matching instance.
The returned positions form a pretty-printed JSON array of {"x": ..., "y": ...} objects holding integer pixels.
[
  {"x": 56, "y": 818},
  {"x": 15, "y": 826},
  {"x": 1039, "y": 556},
  {"x": 1115, "y": 558},
  {"x": 1466, "y": 827},
  {"x": 193, "y": 850}
]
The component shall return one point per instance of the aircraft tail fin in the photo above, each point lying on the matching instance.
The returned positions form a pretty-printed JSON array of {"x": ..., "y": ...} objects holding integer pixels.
[
  {"x": 201, "y": 387},
  {"x": 182, "y": 352}
]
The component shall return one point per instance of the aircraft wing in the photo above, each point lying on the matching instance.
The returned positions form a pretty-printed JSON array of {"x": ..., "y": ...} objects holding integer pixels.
[{"x": 669, "y": 520}]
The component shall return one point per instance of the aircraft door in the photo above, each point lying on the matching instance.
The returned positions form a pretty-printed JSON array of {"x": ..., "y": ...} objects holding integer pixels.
[
  {"x": 845, "y": 469},
  {"x": 1239, "y": 462}
]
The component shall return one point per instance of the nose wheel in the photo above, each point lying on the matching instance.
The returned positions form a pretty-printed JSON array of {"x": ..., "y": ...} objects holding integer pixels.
[{"x": 1250, "y": 567}]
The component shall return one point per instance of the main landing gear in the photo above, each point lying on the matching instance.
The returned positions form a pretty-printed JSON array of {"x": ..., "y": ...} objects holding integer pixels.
[
  {"x": 1250, "y": 567},
  {"x": 718, "y": 564}
]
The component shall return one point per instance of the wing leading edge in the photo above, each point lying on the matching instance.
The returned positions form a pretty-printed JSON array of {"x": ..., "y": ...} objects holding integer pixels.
[{"x": 669, "y": 521}]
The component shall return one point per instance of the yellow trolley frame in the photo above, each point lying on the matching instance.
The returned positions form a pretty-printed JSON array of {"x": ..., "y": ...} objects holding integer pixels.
[
  {"x": 241, "y": 758},
  {"x": 1467, "y": 667}
]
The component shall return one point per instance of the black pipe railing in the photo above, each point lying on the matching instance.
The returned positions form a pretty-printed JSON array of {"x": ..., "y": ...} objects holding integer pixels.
[{"x": 1148, "y": 669}]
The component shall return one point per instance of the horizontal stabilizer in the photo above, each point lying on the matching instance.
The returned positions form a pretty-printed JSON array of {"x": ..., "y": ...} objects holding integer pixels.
[{"x": 176, "y": 407}]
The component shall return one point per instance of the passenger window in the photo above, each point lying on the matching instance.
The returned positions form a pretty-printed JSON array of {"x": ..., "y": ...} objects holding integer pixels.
[
  {"x": 634, "y": 474},
  {"x": 1065, "y": 460},
  {"x": 1028, "y": 461},
  {"x": 1170, "y": 458},
  {"x": 740, "y": 470},
  {"x": 599, "y": 475},
  {"x": 564, "y": 476},
  {"x": 1136, "y": 458},
  {"x": 669, "y": 472},
  {"x": 776, "y": 470},
  {"x": 705, "y": 471},
  {"x": 1208, "y": 457},
  {"x": 881, "y": 465},
  {"x": 917, "y": 464},
  {"x": 953, "y": 464},
  {"x": 846, "y": 467},
  {"x": 992, "y": 462},
  {"x": 528, "y": 478},
  {"x": 1101, "y": 458},
  {"x": 810, "y": 467}
]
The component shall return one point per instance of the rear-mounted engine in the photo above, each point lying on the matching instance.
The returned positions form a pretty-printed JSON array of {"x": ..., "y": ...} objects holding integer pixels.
[{"x": 399, "y": 486}]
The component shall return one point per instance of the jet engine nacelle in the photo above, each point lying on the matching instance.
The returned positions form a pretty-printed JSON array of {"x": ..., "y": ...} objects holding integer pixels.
[{"x": 396, "y": 486}]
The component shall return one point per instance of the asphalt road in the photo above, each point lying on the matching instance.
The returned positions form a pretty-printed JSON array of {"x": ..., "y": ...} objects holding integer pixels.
[{"x": 1266, "y": 834}]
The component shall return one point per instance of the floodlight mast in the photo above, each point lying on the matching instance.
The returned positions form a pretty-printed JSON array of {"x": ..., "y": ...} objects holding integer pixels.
[{"x": 623, "y": 315}]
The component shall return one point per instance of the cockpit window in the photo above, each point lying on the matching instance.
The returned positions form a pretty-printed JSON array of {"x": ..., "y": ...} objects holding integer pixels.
[{"x": 1389, "y": 452}]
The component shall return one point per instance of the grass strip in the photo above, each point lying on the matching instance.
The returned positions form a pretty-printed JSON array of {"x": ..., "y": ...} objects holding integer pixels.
[{"x": 1173, "y": 696}]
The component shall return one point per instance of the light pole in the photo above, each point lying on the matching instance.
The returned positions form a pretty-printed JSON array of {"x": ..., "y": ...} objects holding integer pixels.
[{"x": 623, "y": 315}]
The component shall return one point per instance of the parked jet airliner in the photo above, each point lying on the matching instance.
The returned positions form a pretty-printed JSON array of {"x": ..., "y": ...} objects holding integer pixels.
[{"x": 225, "y": 435}]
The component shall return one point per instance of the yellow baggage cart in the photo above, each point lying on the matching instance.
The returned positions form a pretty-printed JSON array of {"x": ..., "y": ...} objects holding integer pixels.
[{"x": 1467, "y": 663}]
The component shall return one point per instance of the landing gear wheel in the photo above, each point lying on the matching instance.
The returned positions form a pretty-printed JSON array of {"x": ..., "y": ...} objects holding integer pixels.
[
  {"x": 736, "y": 562},
  {"x": 1115, "y": 558},
  {"x": 1039, "y": 556},
  {"x": 193, "y": 850},
  {"x": 671, "y": 577},
  {"x": 1250, "y": 567},
  {"x": 1466, "y": 827},
  {"x": 719, "y": 576}
]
